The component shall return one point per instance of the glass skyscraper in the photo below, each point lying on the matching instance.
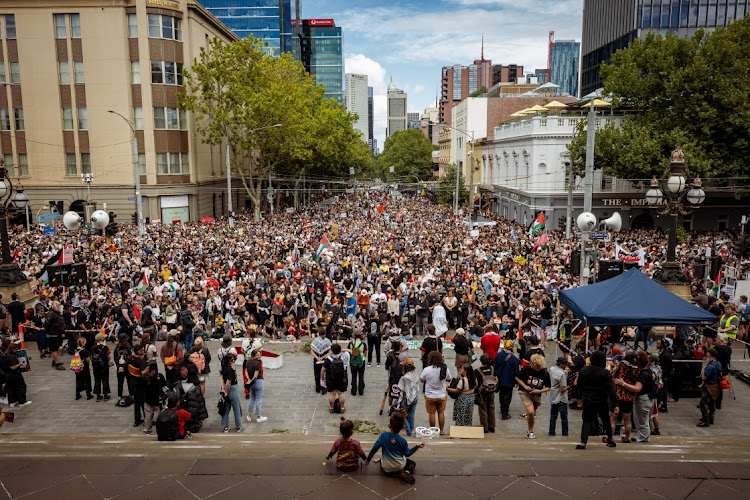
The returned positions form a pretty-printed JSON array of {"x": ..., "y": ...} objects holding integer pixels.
[
  {"x": 321, "y": 53},
  {"x": 269, "y": 20},
  {"x": 609, "y": 26},
  {"x": 564, "y": 70}
]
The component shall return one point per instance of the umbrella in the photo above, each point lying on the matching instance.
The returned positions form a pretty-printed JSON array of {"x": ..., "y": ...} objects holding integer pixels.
[
  {"x": 525, "y": 111},
  {"x": 555, "y": 104},
  {"x": 517, "y": 114},
  {"x": 547, "y": 86},
  {"x": 207, "y": 219},
  {"x": 600, "y": 103},
  {"x": 537, "y": 107}
]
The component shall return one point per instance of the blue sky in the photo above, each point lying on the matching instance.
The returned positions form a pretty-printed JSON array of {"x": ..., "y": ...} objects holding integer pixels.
[{"x": 411, "y": 41}]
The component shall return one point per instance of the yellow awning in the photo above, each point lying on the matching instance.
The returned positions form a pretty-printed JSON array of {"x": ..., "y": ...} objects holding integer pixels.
[
  {"x": 555, "y": 104},
  {"x": 537, "y": 107},
  {"x": 598, "y": 103}
]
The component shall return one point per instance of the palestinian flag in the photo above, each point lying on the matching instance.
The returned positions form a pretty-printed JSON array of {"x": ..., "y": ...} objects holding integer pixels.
[
  {"x": 541, "y": 241},
  {"x": 537, "y": 225},
  {"x": 143, "y": 283},
  {"x": 717, "y": 284},
  {"x": 325, "y": 246}
]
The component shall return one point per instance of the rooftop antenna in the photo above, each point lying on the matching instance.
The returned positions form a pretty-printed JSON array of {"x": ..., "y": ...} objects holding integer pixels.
[{"x": 482, "y": 46}]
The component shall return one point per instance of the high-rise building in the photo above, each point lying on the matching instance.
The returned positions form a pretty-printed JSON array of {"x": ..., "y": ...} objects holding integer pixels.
[
  {"x": 357, "y": 101},
  {"x": 413, "y": 120},
  {"x": 564, "y": 69},
  {"x": 370, "y": 120},
  {"x": 269, "y": 20},
  {"x": 610, "y": 26},
  {"x": 458, "y": 81},
  {"x": 68, "y": 68},
  {"x": 397, "y": 118},
  {"x": 321, "y": 53},
  {"x": 506, "y": 74}
]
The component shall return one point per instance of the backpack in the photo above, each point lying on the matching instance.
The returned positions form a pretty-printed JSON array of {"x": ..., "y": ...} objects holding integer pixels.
[
  {"x": 168, "y": 425},
  {"x": 374, "y": 328},
  {"x": 76, "y": 363},
  {"x": 347, "y": 459},
  {"x": 336, "y": 406},
  {"x": 338, "y": 372},
  {"x": 489, "y": 382},
  {"x": 358, "y": 354},
  {"x": 97, "y": 359},
  {"x": 652, "y": 388}
]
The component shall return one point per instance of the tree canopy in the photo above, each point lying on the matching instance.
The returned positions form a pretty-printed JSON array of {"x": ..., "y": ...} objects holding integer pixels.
[
  {"x": 272, "y": 113},
  {"x": 409, "y": 152},
  {"x": 691, "y": 92}
]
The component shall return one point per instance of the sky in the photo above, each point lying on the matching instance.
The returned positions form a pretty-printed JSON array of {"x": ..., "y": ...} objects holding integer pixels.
[{"x": 410, "y": 41}]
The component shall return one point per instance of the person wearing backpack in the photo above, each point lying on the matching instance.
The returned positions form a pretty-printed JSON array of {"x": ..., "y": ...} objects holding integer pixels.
[
  {"x": 373, "y": 338},
  {"x": 100, "y": 365},
  {"x": 487, "y": 382},
  {"x": 642, "y": 389},
  {"x": 334, "y": 371},
  {"x": 357, "y": 351},
  {"x": 171, "y": 422},
  {"x": 83, "y": 375},
  {"x": 204, "y": 353},
  {"x": 122, "y": 355}
]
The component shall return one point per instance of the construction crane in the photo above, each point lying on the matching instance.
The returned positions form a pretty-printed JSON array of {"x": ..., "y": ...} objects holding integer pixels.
[{"x": 549, "y": 55}]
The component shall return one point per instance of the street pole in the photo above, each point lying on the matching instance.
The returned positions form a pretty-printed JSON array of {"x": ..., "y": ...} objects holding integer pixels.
[
  {"x": 138, "y": 197},
  {"x": 229, "y": 187},
  {"x": 471, "y": 184},
  {"x": 588, "y": 189},
  {"x": 455, "y": 195},
  {"x": 569, "y": 209},
  {"x": 270, "y": 193}
]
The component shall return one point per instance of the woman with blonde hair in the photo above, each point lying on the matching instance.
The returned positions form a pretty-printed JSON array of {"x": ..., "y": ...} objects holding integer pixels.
[{"x": 533, "y": 381}]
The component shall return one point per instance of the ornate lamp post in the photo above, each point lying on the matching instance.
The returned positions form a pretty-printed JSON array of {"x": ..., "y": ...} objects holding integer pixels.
[
  {"x": 10, "y": 273},
  {"x": 673, "y": 200}
]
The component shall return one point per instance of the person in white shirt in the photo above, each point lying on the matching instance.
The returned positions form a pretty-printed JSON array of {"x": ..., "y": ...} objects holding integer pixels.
[{"x": 434, "y": 377}]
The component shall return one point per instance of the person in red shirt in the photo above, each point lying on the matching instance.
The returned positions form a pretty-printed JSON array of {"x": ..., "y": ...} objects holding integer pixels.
[
  {"x": 490, "y": 343},
  {"x": 182, "y": 415}
]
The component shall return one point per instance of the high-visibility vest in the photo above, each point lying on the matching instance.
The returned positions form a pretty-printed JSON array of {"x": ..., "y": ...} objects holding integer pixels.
[{"x": 727, "y": 323}]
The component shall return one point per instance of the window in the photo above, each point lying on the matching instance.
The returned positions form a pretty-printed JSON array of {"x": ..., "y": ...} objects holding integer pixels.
[
  {"x": 132, "y": 26},
  {"x": 8, "y": 163},
  {"x": 4, "y": 119},
  {"x": 18, "y": 115},
  {"x": 169, "y": 76},
  {"x": 159, "y": 123},
  {"x": 2, "y": 72},
  {"x": 138, "y": 117},
  {"x": 23, "y": 164},
  {"x": 78, "y": 69},
  {"x": 67, "y": 114},
  {"x": 60, "y": 29},
  {"x": 161, "y": 163},
  {"x": 64, "y": 69},
  {"x": 174, "y": 163},
  {"x": 15, "y": 73},
  {"x": 142, "y": 163},
  {"x": 164, "y": 27},
  {"x": 185, "y": 163},
  {"x": 157, "y": 75},
  {"x": 71, "y": 167},
  {"x": 135, "y": 72},
  {"x": 85, "y": 163},
  {"x": 10, "y": 26},
  {"x": 173, "y": 122},
  {"x": 183, "y": 119},
  {"x": 75, "y": 26},
  {"x": 83, "y": 119}
]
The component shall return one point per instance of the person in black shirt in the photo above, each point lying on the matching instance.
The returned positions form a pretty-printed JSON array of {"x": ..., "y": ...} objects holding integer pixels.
[
  {"x": 595, "y": 384},
  {"x": 16, "y": 309},
  {"x": 373, "y": 337},
  {"x": 724, "y": 356},
  {"x": 665, "y": 361},
  {"x": 136, "y": 365}
]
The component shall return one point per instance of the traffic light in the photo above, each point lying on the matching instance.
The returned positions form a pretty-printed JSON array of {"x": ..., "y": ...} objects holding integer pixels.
[
  {"x": 134, "y": 217},
  {"x": 738, "y": 246},
  {"x": 561, "y": 222}
]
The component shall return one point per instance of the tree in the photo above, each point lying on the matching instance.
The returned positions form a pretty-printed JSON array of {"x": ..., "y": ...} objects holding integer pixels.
[
  {"x": 688, "y": 92},
  {"x": 409, "y": 152},
  {"x": 481, "y": 90},
  {"x": 447, "y": 189}
]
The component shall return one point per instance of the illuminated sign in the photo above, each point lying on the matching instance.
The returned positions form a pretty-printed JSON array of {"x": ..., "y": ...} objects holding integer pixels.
[{"x": 320, "y": 22}]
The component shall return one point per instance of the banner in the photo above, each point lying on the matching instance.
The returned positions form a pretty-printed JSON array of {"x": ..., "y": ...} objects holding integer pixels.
[{"x": 638, "y": 256}]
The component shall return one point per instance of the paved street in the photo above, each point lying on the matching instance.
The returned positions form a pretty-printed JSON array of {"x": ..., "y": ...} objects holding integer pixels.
[{"x": 290, "y": 404}]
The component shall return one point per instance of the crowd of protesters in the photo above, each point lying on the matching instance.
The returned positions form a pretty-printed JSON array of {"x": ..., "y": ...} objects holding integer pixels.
[{"x": 372, "y": 270}]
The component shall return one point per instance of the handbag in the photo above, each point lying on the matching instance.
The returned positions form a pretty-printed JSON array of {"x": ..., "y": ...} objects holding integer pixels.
[
  {"x": 453, "y": 385},
  {"x": 223, "y": 404},
  {"x": 724, "y": 383}
]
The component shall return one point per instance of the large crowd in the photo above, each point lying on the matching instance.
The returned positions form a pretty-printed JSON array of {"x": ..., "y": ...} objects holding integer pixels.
[{"x": 357, "y": 276}]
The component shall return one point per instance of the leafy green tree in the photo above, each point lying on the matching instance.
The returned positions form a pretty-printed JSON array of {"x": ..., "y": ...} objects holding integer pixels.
[
  {"x": 409, "y": 152},
  {"x": 481, "y": 90},
  {"x": 692, "y": 92},
  {"x": 447, "y": 187}
]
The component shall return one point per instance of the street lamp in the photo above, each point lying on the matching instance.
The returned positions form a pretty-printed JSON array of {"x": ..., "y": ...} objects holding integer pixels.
[
  {"x": 21, "y": 201},
  {"x": 470, "y": 135},
  {"x": 138, "y": 198},
  {"x": 230, "y": 218},
  {"x": 673, "y": 199},
  {"x": 10, "y": 273}
]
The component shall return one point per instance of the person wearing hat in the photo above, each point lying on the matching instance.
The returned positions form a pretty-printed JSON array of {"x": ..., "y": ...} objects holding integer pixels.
[
  {"x": 226, "y": 348},
  {"x": 558, "y": 397},
  {"x": 100, "y": 366},
  {"x": 408, "y": 386},
  {"x": 351, "y": 306},
  {"x": 506, "y": 368}
]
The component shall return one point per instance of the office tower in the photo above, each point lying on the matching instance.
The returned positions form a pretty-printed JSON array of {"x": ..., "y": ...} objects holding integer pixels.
[
  {"x": 564, "y": 70},
  {"x": 321, "y": 53},
  {"x": 269, "y": 20},
  {"x": 611, "y": 25},
  {"x": 458, "y": 81},
  {"x": 370, "y": 119},
  {"x": 357, "y": 101},
  {"x": 506, "y": 74},
  {"x": 413, "y": 120},
  {"x": 397, "y": 119}
]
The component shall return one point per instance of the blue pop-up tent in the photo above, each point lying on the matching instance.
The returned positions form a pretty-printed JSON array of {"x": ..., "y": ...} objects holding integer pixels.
[{"x": 632, "y": 299}]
